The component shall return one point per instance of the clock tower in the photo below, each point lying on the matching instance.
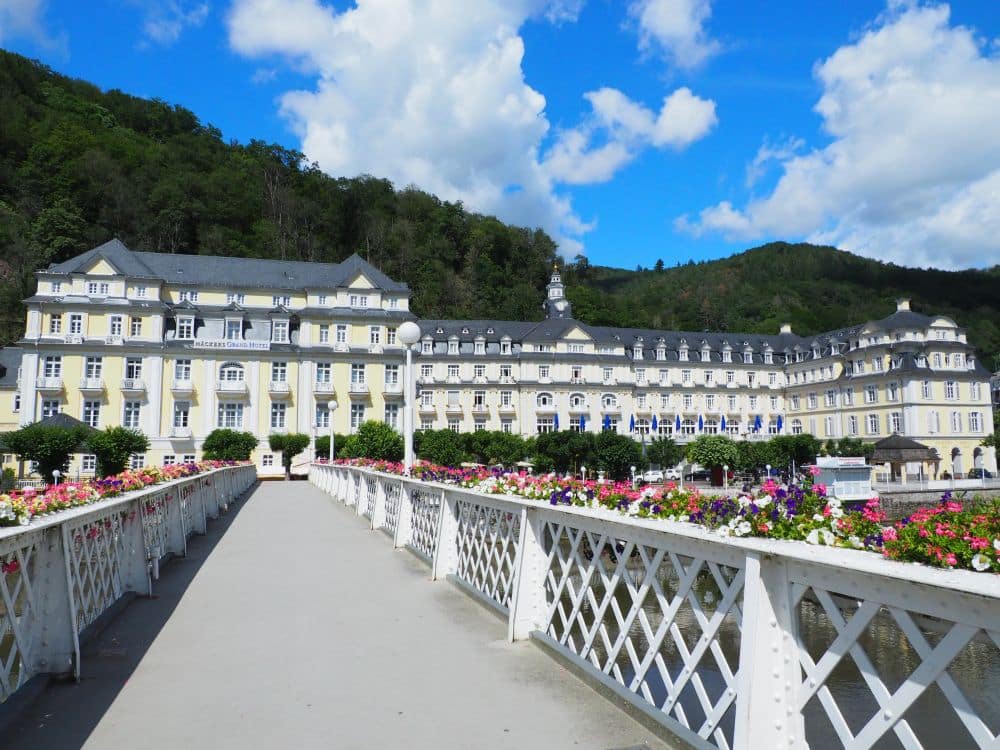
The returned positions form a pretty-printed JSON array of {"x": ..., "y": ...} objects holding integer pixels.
[{"x": 556, "y": 305}]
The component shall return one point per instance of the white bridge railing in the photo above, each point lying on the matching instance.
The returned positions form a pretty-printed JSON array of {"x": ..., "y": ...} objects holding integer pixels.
[
  {"x": 62, "y": 572},
  {"x": 728, "y": 643}
]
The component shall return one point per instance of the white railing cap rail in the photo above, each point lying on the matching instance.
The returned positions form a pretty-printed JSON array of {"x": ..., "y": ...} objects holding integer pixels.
[
  {"x": 986, "y": 585},
  {"x": 60, "y": 517}
]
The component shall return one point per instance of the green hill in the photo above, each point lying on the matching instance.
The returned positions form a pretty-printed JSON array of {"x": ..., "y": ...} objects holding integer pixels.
[{"x": 79, "y": 165}]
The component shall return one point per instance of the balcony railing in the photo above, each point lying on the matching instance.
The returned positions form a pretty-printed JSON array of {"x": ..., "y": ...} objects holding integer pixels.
[
  {"x": 133, "y": 384},
  {"x": 426, "y": 408},
  {"x": 279, "y": 388},
  {"x": 232, "y": 386},
  {"x": 358, "y": 389},
  {"x": 506, "y": 408},
  {"x": 180, "y": 432},
  {"x": 50, "y": 384},
  {"x": 92, "y": 385},
  {"x": 323, "y": 387},
  {"x": 392, "y": 389},
  {"x": 453, "y": 407},
  {"x": 182, "y": 386}
]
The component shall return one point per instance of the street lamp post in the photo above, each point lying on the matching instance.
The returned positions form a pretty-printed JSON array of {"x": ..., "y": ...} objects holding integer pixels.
[
  {"x": 332, "y": 406},
  {"x": 725, "y": 476},
  {"x": 56, "y": 474},
  {"x": 583, "y": 473},
  {"x": 408, "y": 334},
  {"x": 632, "y": 469},
  {"x": 768, "y": 467}
]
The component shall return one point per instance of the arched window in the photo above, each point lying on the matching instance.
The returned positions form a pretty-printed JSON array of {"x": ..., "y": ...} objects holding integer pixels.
[
  {"x": 687, "y": 427},
  {"x": 609, "y": 401},
  {"x": 712, "y": 426},
  {"x": 796, "y": 426},
  {"x": 642, "y": 426},
  {"x": 544, "y": 400},
  {"x": 231, "y": 372},
  {"x": 577, "y": 400}
]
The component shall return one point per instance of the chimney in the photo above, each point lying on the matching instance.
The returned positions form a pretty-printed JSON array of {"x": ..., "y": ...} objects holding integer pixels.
[
  {"x": 786, "y": 328},
  {"x": 902, "y": 304}
]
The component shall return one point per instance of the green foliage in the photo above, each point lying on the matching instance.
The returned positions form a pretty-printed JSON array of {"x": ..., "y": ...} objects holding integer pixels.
[
  {"x": 290, "y": 446},
  {"x": 802, "y": 449},
  {"x": 322, "y": 445},
  {"x": 615, "y": 454},
  {"x": 50, "y": 446},
  {"x": 442, "y": 447},
  {"x": 664, "y": 452},
  {"x": 114, "y": 446},
  {"x": 494, "y": 447},
  {"x": 712, "y": 451},
  {"x": 378, "y": 441},
  {"x": 7, "y": 479},
  {"x": 565, "y": 450},
  {"x": 228, "y": 445},
  {"x": 849, "y": 447}
]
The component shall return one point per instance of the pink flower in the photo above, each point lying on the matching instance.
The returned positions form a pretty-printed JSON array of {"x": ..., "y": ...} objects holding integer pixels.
[
  {"x": 889, "y": 534},
  {"x": 814, "y": 471}
]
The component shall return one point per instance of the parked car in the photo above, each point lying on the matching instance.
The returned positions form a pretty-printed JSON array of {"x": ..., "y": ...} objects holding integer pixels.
[
  {"x": 653, "y": 475},
  {"x": 980, "y": 474},
  {"x": 701, "y": 475},
  {"x": 672, "y": 474}
]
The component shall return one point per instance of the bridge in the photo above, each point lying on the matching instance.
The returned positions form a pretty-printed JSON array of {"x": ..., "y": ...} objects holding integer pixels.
[{"x": 365, "y": 610}]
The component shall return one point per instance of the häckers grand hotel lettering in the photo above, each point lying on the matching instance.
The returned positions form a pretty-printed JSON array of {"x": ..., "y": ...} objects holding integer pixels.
[{"x": 177, "y": 345}]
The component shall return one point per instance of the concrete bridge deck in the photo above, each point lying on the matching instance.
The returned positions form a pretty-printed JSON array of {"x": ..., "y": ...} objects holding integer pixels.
[{"x": 290, "y": 625}]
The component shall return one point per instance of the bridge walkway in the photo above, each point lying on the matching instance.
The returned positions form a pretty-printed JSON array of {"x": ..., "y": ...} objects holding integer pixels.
[{"x": 290, "y": 625}]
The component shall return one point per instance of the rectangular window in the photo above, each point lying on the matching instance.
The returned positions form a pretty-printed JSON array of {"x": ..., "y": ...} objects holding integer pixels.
[
  {"x": 426, "y": 424},
  {"x": 848, "y": 397},
  {"x": 480, "y": 347},
  {"x": 185, "y": 328},
  {"x": 393, "y": 303},
  {"x": 235, "y": 298},
  {"x": 357, "y": 374},
  {"x": 137, "y": 461},
  {"x": 933, "y": 422},
  {"x": 341, "y": 333},
  {"x": 52, "y": 366},
  {"x": 357, "y": 416},
  {"x": 894, "y": 422},
  {"x": 608, "y": 374},
  {"x": 871, "y": 394},
  {"x": 230, "y": 415},
  {"x": 279, "y": 331},
  {"x": 975, "y": 421},
  {"x": 640, "y": 375},
  {"x": 730, "y": 377},
  {"x": 453, "y": 372},
  {"x": 505, "y": 373},
  {"x": 505, "y": 347},
  {"x": 374, "y": 335},
  {"x": 871, "y": 424},
  {"x": 543, "y": 372},
  {"x": 392, "y": 374},
  {"x": 55, "y": 323},
  {"x": 322, "y": 416},
  {"x": 182, "y": 413},
  {"x": 92, "y": 413},
  {"x": 56, "y": 287},
  {"x": 234, "y": 330},
  {"x": 182, "y": 369},
  {"x": 811, "y": 401},
  {"x": 278, "y": 416},
  {"x": 427, "y": 398},
  {"x": 267, "y": 460},
  {"x": 324, "y": 333},
  {"x": 892, "y": 392},
  {"x": 688, "y": 401},
  {"x": 392, "y": 415},
  {"x": 733, "y": 401},
  {"x": 187, "y": 295},
  {"x": 479, "y": 372},
  {"x": 50, "y": 408},
  {"x": 478, "y": 399},
  {"x": 975, "y": 391},
  {"x": 130, "y": 414},
  {"x": 454, "y": 425},
  {"x": 135, "y": 327},
  {"x": 279, "y": 372},
  {"x": 281, "y": 300},
  {"x": 133, "y": 368},
  {"x": 545, "y": 424},
  {"x": 506, "y": 398},
  {"x": 507, "y": 425},
  {"x": 752, "y": 402},
  {"x": 852, "y": 425},
  {"x": 956, "y": 421},
  {"x": 390, "y": 336},
  {"x": 188, "y": 458},
  {"x": 76, "y": 323},
  {"x": 323, "y": 372},
  {"x": 88, "y": 463},
  {"x": 452, "y": 347},
  {"x": 951, "y": 389},
  {"x": 322, "y": 300},
  {"x": 94, "y": 366},
  {"x": 685, "y": 376},
  {"x": 828, "y": 426}
]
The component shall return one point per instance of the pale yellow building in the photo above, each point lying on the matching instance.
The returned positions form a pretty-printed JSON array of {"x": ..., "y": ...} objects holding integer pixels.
[{"x": 177, "y": 345}]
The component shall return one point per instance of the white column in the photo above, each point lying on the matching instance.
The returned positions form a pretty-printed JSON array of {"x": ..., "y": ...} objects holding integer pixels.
[
  {"x": 408, "y": 397},
  {"x": 208, "y": 399},
  {"x": 29, "y": 394},
  {"x": 154, "y": 395}
]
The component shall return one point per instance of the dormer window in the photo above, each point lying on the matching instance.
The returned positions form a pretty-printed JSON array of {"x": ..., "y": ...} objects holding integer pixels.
[
  {"x": 489, "y": 331},
  {"x": 815, "y": 353},
  {"x": 727, "y": 355},
  {"x": 185, "y": 327},
  {"x": 236, "y": 298},
  {"x": 234, "y": 330},
  {"x": 768, "y": 358},
  {"x": 465, "y": 331},
  {"x": 187, "y": 295},
  {"x": 637, "y": 351},
  {"x": 747, "y": 358},
  {"x": 56, "y": 287},
  {"x": 358, "y": 300},
  {"x": 95, "y": 289},
  {"x": 505, "y": 347},
  {"x": 682, "y": 354},
  {"x": 439, "y": 329},
  {"x": 480, "y": 347},
  {"x": 661, "y": 353},
  {"x": 322, "y": 300},
  {"x": 453, "y": 346},
  {"x": 705, "y": 355},
  {"x": 426, "y": 346}
]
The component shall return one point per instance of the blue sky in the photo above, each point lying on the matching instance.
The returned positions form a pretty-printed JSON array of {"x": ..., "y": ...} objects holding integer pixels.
[{"x": 632, "y": 131}]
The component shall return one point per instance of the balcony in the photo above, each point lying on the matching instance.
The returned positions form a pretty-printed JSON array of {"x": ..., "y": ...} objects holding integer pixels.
[
  {"x": 425, "y": 380},
  {"x": 232, "y": 387},
  {"x": 545, "y": 408},
  {"x": 180, "y": 433},
  {"x": 133, "y": 385},
  {"x": 92, "y": 385},
  {"x": 580, "y": 408},
  {"x": 182, "y": 386},
  {"x": 392, "y": 390},
  {"x": 358, "y": 389},
  {"x": 50, "y": 384},
  {"x": 453, "y": 407},
  {"x": 115, "y": 340},
  {"x": 480, "y": 409},
  {"x": 454, "y": 379},
  {"x": 426, "y": 408},
  {"x": 507, "y": 380},
  {"x": 506, "y": 408},
  {"x": 279, "y": 389},
  {"x": 374, "y": 348},
  {"x": 323, "y": 388},
  {"x": 611, "y": 409},
  {"x": 578, "y": 381},
  {"x": 643, "y": 409},
  {"x": 73, "y": 338},
  {"x": 342, "y": 346}
]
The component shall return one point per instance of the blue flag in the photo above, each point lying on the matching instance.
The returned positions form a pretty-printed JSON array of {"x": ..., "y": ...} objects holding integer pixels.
[
  {"x": 631, "y": 423},
  {"x": 583, "y": 423},
  {"x": 701, "y": 423},
  {"x": 756, "y": 424},
  {"x": 722, "y": 424},
  {"x": 781, "y": 423},
  {"x": 556, "y": 422},
  {"x": 677, "y": 423},
  {"x": 607, "y": 421},
  {"x": 655, "y": 424}
]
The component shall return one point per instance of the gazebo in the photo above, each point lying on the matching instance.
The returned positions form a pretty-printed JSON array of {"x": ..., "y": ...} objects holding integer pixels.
[{"x": 898, "y": 451}]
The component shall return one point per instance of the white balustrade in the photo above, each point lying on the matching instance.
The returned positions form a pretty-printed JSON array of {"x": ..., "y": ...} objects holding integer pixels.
[
  {"x": 727, "y": 643},
  {"x": 63, "y": 572}
]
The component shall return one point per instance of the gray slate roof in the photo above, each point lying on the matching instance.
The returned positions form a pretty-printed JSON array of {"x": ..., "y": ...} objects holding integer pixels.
[
  {"x": 223, "y": 272},
  {"x": 10, "y": 360}
]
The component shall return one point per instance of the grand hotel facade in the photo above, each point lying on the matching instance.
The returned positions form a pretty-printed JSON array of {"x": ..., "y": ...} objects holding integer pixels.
[{"x": 178, "y": 345}]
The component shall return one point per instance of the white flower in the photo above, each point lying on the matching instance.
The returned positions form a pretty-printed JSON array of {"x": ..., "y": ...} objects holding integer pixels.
[
  {"x": 724, "y": 531},
  {"x": 820, "y": 536},
  {"x": 763, "y": 501},
  {"x": 833, "y": 502},
  {"x": 633, "y": 509},
  {"x": 743, "y": 528},
  {"x": 855, "y": 542},
  {"x": 828, "y": 537},
  {"x": 582, "y": 496},
  {"x": 812, "y": 537},
  {"x": 836, "y": 512},
  {"x": 744, "y": 500},
  {"x": 818, "y": 517},
  {"x": 996, "y": 544},
  {"x": 980, "y": 562}
]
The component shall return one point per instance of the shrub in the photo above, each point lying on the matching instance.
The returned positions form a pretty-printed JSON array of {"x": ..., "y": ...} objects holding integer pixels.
[
  {"x": 322, "y": 445},
  {"x": 114, "y": 446},
  {"x": 290, "y": 446},
  {"x": 378, "y": 441},
  {"x": 442, "y": 447},
  {"x": 49, "y": 446},
  {"x": 616, "y": 454},
  {"x": 712, "y": 451},
  {"x": 228, "y": 445}
]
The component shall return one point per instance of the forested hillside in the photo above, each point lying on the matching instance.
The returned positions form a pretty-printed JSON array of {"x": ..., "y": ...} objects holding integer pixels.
[{"x": 79, "y": 166}]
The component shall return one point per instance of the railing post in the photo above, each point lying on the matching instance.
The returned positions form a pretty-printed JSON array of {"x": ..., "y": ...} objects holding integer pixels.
[
  {"x": 174, "y": 536},
  {"x": 378, "y": 512},
  {"x": 767, "y": 713},
  {"x": 135, "y": 566},
  {"x": 404, "y": 524},
  {"x": 446, "y": 547},
  {"x": 361, "y": 496},
  {"x": 52, "y": 632},
  {"x": 527, "y": 605}
]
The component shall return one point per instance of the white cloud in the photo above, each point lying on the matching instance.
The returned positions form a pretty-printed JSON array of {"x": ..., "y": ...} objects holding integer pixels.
[
  {"x": 166, "y": 20},
  {"x": 628, "y": 127},
  {"x": 422, "y": 94},
  {"x": 912, "y": 173},
  {"x": 770, "y": 153},
  {"x": 24, "y": 19},
  {"x": 264, "y": 75},
  {"x": 676, "y": 29}
]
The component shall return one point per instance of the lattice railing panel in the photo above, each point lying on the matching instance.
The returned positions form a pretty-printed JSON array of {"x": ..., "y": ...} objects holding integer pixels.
[
  {"x": 188, "y": 509},
  {"x": 663, "y": 625},
  {"x": 154, "y": 523},
  {"x": 371, "y": 493},
  {"x": 393, "y": 494},
  {"x": 96, "y": 552},
  {"x": 425, "y": 513},
  {"x": 487, "y": 542},
  {"x": 879, "y": 675},
  {"x": 18, "y": 609}
]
